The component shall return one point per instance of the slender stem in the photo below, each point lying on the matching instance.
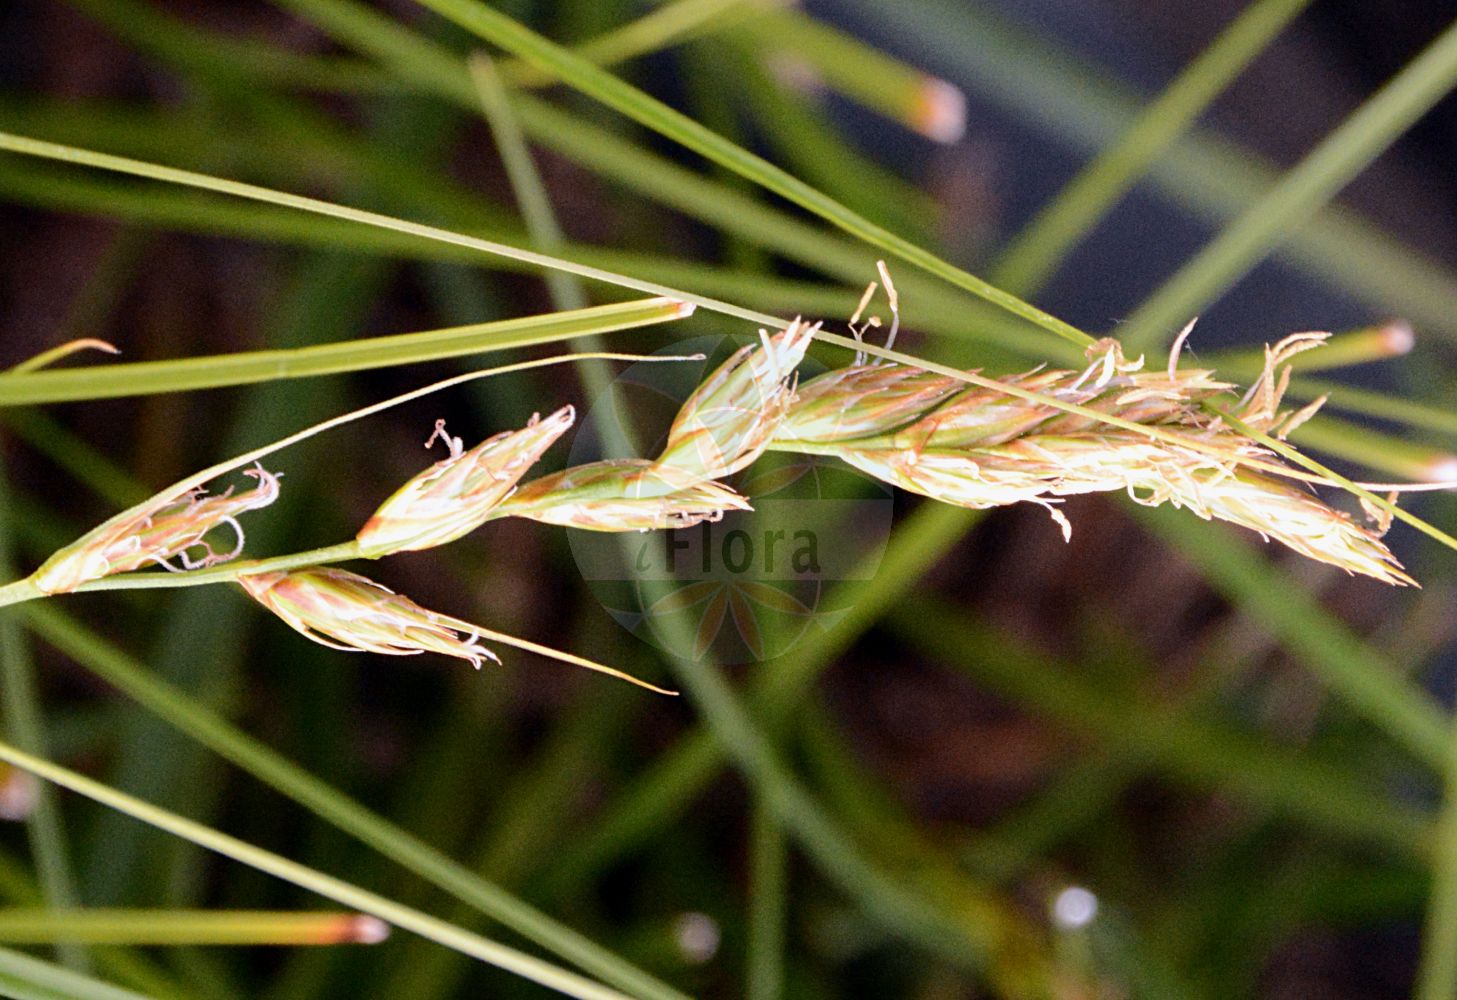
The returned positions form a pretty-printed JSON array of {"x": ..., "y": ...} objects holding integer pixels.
[
  {"x": 24, "y": 722},
  {"x": 516, "y": 38},
  {"x": 323, "y": 800},
  {"x": 1344, "y": 664},
  {"x": 47, "y": 150},
  {"x": 187, "y": 927},
  {"x": 1300, "y": 193},
  {"x": 253, "y": 192},
  {"x": 768, "y": 860},
  {"x": 1059, "y": 225},
  {"x": 24, "y": 590},
  {"x": 673, "y": 22},
  {"x": 338, "y": 890},
  {"x": 863, "y": 73},
  {"x": 1437, "y": 977},
  {"x": 250, "y": 367},
  {"x": 31, "y": 978}
]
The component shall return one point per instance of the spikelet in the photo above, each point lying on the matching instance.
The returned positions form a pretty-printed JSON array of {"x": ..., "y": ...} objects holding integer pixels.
[
  {"x": 457, "y": 495},
  {"x": 343, "y": 610},
  {"x": 724, "y": 426},
  {"x": 165, "y": 527},
  {"x": 731, "y": 418},
  {"x": 863, "y": 401},
  {"x": 623, "y": 495},
  {"x": 981, "y": 448}
]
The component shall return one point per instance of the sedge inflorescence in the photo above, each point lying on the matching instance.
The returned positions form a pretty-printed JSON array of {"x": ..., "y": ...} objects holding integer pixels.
[
  {"x": 723, "y": 427},
  {"x": 459, "y": 493},
  {"x": 344, "y": 610},
  {"x": 1016, "y": 440},
  {"x": 157, "y": 531},
  {"x": 1173, "y": 436}
]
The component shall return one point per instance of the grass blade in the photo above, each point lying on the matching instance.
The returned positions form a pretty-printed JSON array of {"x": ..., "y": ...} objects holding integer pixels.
[
  {"x": 318, "y": 882},
  {"x": 1207, "y": 176},
  {"x": 317, "y": 796},
  {"x": 1437, "y": 976},
  {"x": 1035, "y": 253},
  {"x": 188, "y": 927},
  {"x": 253, "y": 192},
  {"x": 1299, "y": 194},
  {"x": 207, "y": 372},
  {"x": 1343, "y": 663},
  {"x": 27, "y": 978},
  {"x": 25, "y": 724},
  {"x": 768, "y": 903},
  {"x": 501, "y": 30}
]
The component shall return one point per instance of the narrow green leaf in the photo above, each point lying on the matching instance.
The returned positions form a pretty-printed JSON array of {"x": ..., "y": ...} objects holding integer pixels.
[
  {"x": 1037, "y": 250},
  {"x": 27, "y": 978},
  {"x": 1299, "y": 194},
  {"x": 207, "y": 372},
  {"x": 1437, "y": 975},
  {"x": 318, "y": 882},
  {"x": 187, "y": 927},
  {"x": 320, "y": 798},
  {"x": 514, "y": 37}
]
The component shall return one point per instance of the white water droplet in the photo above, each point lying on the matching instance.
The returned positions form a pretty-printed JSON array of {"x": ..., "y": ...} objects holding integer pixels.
[
  {"x": 1074, "y": 908},
  {"x": 697, "y": 935}
]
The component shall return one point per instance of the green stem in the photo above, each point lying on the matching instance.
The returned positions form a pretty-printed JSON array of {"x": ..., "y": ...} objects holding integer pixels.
[
  {"x": 1299, "y": 194},
  {"x": 1028, "y": 261},
  {"x": 324, "y": 885},
  {"x": 430, "y": 864},
  {"x": 187, "y": 927},
  {"x": 863, "y": 73},
  {"x": 25, "y": 723},
  {"x": 1345, "y": 664},
  {"x": 28, "y": 978},
  {"x": 1437, "y": 977},
  {"x": 24, "y": 590},
  {"x": 144, "y": 377},
  {"x": 501, "y": 30},
  {"x": 672, "y": 23},
  {"x": 253, "y": 192},
  {"x": 768, "y": 861}
]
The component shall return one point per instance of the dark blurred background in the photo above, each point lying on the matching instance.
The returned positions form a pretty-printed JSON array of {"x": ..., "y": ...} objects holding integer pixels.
[{"x": 1201, "y": 887}]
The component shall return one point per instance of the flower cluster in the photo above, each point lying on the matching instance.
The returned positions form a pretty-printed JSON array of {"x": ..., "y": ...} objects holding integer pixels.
[
  {"x": 458, "y": 494},
  {"x": 982, "y": 446},
  {"x": 724, "y": 426},
  {"x": 1035, "y": 437},
  {"x": 166, "y": 527},
  {"x": 343, "y": 610}
]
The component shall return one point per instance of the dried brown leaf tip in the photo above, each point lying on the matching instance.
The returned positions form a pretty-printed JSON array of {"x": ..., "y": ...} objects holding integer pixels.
[
  {"x": 980, "y": 447},
  {"x": 458, "y": 494},
  {"x": 170, "y": 526},
  {"x": 343, "y": 610}
]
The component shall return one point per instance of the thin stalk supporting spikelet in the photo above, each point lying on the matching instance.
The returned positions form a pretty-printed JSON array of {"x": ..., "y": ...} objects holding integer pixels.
[
  {"x": 458, "y": 494},
  {"x": 166, "y": 527},
  {"x": 979, "y": 447},
  {"x": 343, "y": 610}
]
